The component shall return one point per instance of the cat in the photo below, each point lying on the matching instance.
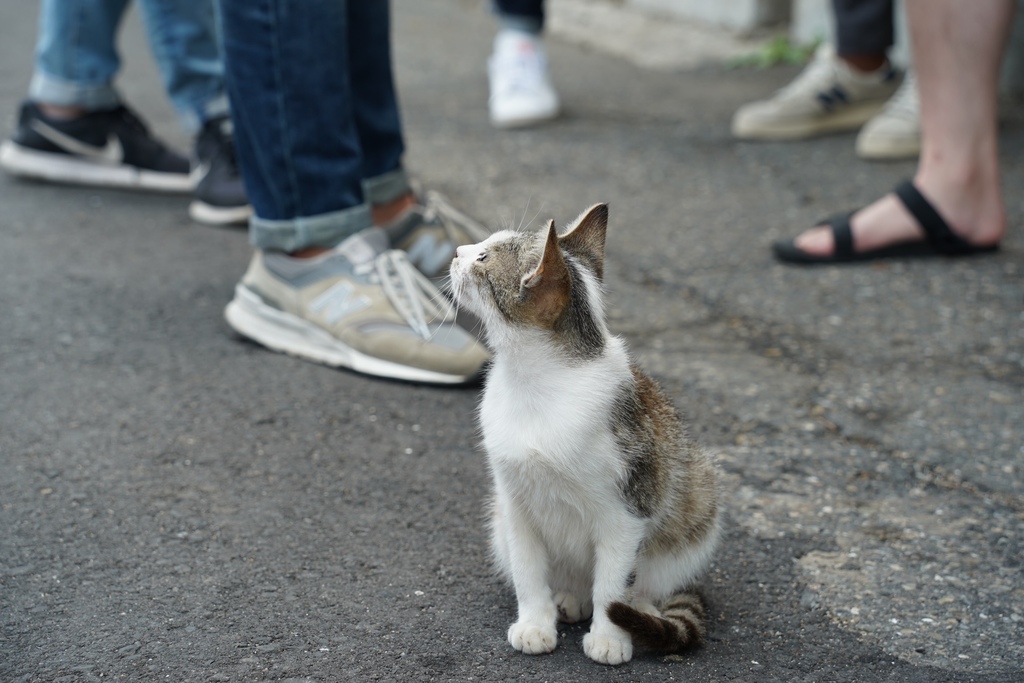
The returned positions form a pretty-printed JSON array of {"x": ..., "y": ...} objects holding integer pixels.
[{"x": 603, "y": 507}]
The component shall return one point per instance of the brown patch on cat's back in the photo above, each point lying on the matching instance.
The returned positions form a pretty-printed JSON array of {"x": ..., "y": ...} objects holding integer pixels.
[
  {"x": 694, "y": 517},
  {"x": 693, "y": 488},
  {"x": 644, "y": 425}
]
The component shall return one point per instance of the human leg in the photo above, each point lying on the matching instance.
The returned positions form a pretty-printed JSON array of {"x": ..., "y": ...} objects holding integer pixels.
[
  {"x": 957, "y": 50},
  {"x": 76, "y": 57},
  {"x": 841, "y": 89},
  {"x": 428, "y": 228},
  {"x": 185, "y": 41},
  {"x": 183, "y": 37},
  {"x": 864, "y": 32},
  {"x": 521, "y": 90},
  {"x": 322, "y": 284},
  {"x": 290, "y": 88},
  {"x": 74, "y": 128},
  {"x": 521, "y": 15}
]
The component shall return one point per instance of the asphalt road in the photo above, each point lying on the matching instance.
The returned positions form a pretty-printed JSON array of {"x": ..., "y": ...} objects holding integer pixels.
[{"x": 177, "y": 504}]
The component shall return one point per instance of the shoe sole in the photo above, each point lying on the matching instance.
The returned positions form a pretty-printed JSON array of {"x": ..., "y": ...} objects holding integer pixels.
[
  {"x": 201, "y": 212},
  {"x": 524, "y": 120},
  {"x": 290, "y": 334},
  {"x": 28, "y": 163},
  {"x": 848, "y": 120},
  {"x": 890, "y": 148}
]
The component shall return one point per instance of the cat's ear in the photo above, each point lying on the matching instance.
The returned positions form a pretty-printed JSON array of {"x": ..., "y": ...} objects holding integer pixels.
[
  {"x": 546, "y": 287},
  {"x": 585, "y": 238}
]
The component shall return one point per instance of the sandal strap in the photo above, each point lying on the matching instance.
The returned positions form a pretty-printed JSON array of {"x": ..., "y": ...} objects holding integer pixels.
[
  {"x": 842, "y": 234},
  {"x": 936, "y": 231}
]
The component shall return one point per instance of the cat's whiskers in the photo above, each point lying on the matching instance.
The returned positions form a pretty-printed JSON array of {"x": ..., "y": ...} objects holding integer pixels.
[
  {"x": 443, "y": 302},
  {"x": 526, "y": 210},
  {"x": 444, "y": 305}
]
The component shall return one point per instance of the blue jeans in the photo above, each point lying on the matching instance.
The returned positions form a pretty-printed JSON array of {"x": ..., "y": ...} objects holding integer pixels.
[
  {"x": 317, "y": 127},
  {"x": 863, "y": 27},
  {"x": 520, "y": 15},
  {"x": 76, "y": 55}
]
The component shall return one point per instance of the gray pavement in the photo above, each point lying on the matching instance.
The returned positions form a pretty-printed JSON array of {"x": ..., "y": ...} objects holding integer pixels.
[{"x": 179, "y": 505}]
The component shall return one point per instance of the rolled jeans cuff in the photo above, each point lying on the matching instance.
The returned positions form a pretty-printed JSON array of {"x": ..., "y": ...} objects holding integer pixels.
[
  {"x": 386, "y": 187},
  {"x": 323, "y": 230},
  {"x": 49, "y": 89}
]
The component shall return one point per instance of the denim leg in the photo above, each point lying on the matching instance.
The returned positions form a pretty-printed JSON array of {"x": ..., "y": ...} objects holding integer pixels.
[
  {"x": 863, "y": 27},
  {"x": 374, "y": 101},
  {"x": 288, "y": 79},
  {"x": 185, "y": 40},
  {"x": 76, "y": 58},
  {"x": 520, "y": 15}
]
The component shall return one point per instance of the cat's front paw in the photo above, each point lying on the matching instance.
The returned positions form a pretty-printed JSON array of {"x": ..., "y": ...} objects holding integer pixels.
[
  {"x": 571, "y": 610},
  {"x": 532, "y": 639},
  {"x": 608, "y": 649}
]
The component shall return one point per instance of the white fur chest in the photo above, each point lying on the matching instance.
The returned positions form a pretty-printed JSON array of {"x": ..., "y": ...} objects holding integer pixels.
[{"x": 547, "y": 433}]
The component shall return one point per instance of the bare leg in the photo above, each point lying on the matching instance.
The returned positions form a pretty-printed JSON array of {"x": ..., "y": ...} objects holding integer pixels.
[{"x": 958, "y": 48}]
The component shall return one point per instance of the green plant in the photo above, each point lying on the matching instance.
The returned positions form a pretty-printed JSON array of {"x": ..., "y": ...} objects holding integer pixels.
[{"x": 778, "y": 50}]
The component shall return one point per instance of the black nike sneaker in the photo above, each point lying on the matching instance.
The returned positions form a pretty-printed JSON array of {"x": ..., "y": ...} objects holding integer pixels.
[
  {"x": 106, "y": 148},
  {"x": 220, "y": 195}
]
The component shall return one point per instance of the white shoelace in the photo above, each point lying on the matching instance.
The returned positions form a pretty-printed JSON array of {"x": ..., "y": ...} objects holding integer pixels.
[
  {"x": 456, "y": 224},
  {"x": 415, "y": 297}
]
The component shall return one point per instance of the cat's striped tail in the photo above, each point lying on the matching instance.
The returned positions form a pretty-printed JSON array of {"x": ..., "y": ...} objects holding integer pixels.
[{"x": 683, "y": 623}]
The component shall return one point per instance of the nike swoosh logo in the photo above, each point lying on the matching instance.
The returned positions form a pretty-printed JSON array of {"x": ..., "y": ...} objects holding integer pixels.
[
  {"x": 111, "y": 153},
  {"x": 199, "y": 172}
]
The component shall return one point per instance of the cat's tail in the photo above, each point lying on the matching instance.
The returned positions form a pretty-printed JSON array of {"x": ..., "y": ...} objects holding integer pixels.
[{"x": 683, "y": 623}]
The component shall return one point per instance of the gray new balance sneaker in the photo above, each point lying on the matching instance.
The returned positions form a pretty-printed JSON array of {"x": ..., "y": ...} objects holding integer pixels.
[
  {"x": 827, "y": 97},
  {"x": 358, "y": 306},
  {"x": 430, "y": 233}
]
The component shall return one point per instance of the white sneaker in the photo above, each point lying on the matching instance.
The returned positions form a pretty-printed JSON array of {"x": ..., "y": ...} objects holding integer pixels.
[
  {"x": 827, "y": 97},
  {"x": 895, "y": 132},
  {"x": 521, "y": 90}
]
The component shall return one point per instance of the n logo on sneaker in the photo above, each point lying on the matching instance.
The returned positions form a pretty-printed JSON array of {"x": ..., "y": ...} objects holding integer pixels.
[
  {"x": 111, "y": 153},
  {"x": 337, "y": 302}
]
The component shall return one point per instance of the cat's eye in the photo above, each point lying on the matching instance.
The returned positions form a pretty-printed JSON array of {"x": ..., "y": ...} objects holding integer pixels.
[{"x": 482, "y": 257}]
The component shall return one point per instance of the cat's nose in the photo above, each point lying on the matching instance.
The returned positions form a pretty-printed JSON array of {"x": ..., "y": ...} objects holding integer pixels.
[{"x": 463, "y": 251}]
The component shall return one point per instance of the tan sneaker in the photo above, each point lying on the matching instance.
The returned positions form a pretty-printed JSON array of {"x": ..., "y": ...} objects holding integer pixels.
[
  {"x": 827, "y": 97},
  {"x": 895, "y": 132},
  {"x": 430, "y": 233},
  {"x": 357, "y": 306}
]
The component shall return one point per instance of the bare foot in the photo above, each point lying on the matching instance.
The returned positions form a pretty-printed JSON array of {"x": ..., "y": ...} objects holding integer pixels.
[{"x": 973, "y": 211}]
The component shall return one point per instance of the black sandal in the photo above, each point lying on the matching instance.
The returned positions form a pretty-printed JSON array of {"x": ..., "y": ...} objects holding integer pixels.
[{"x": 939, "y": 239}]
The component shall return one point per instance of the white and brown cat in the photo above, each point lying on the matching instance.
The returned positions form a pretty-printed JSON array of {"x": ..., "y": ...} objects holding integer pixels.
[{"x": 603, "y": 506}]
